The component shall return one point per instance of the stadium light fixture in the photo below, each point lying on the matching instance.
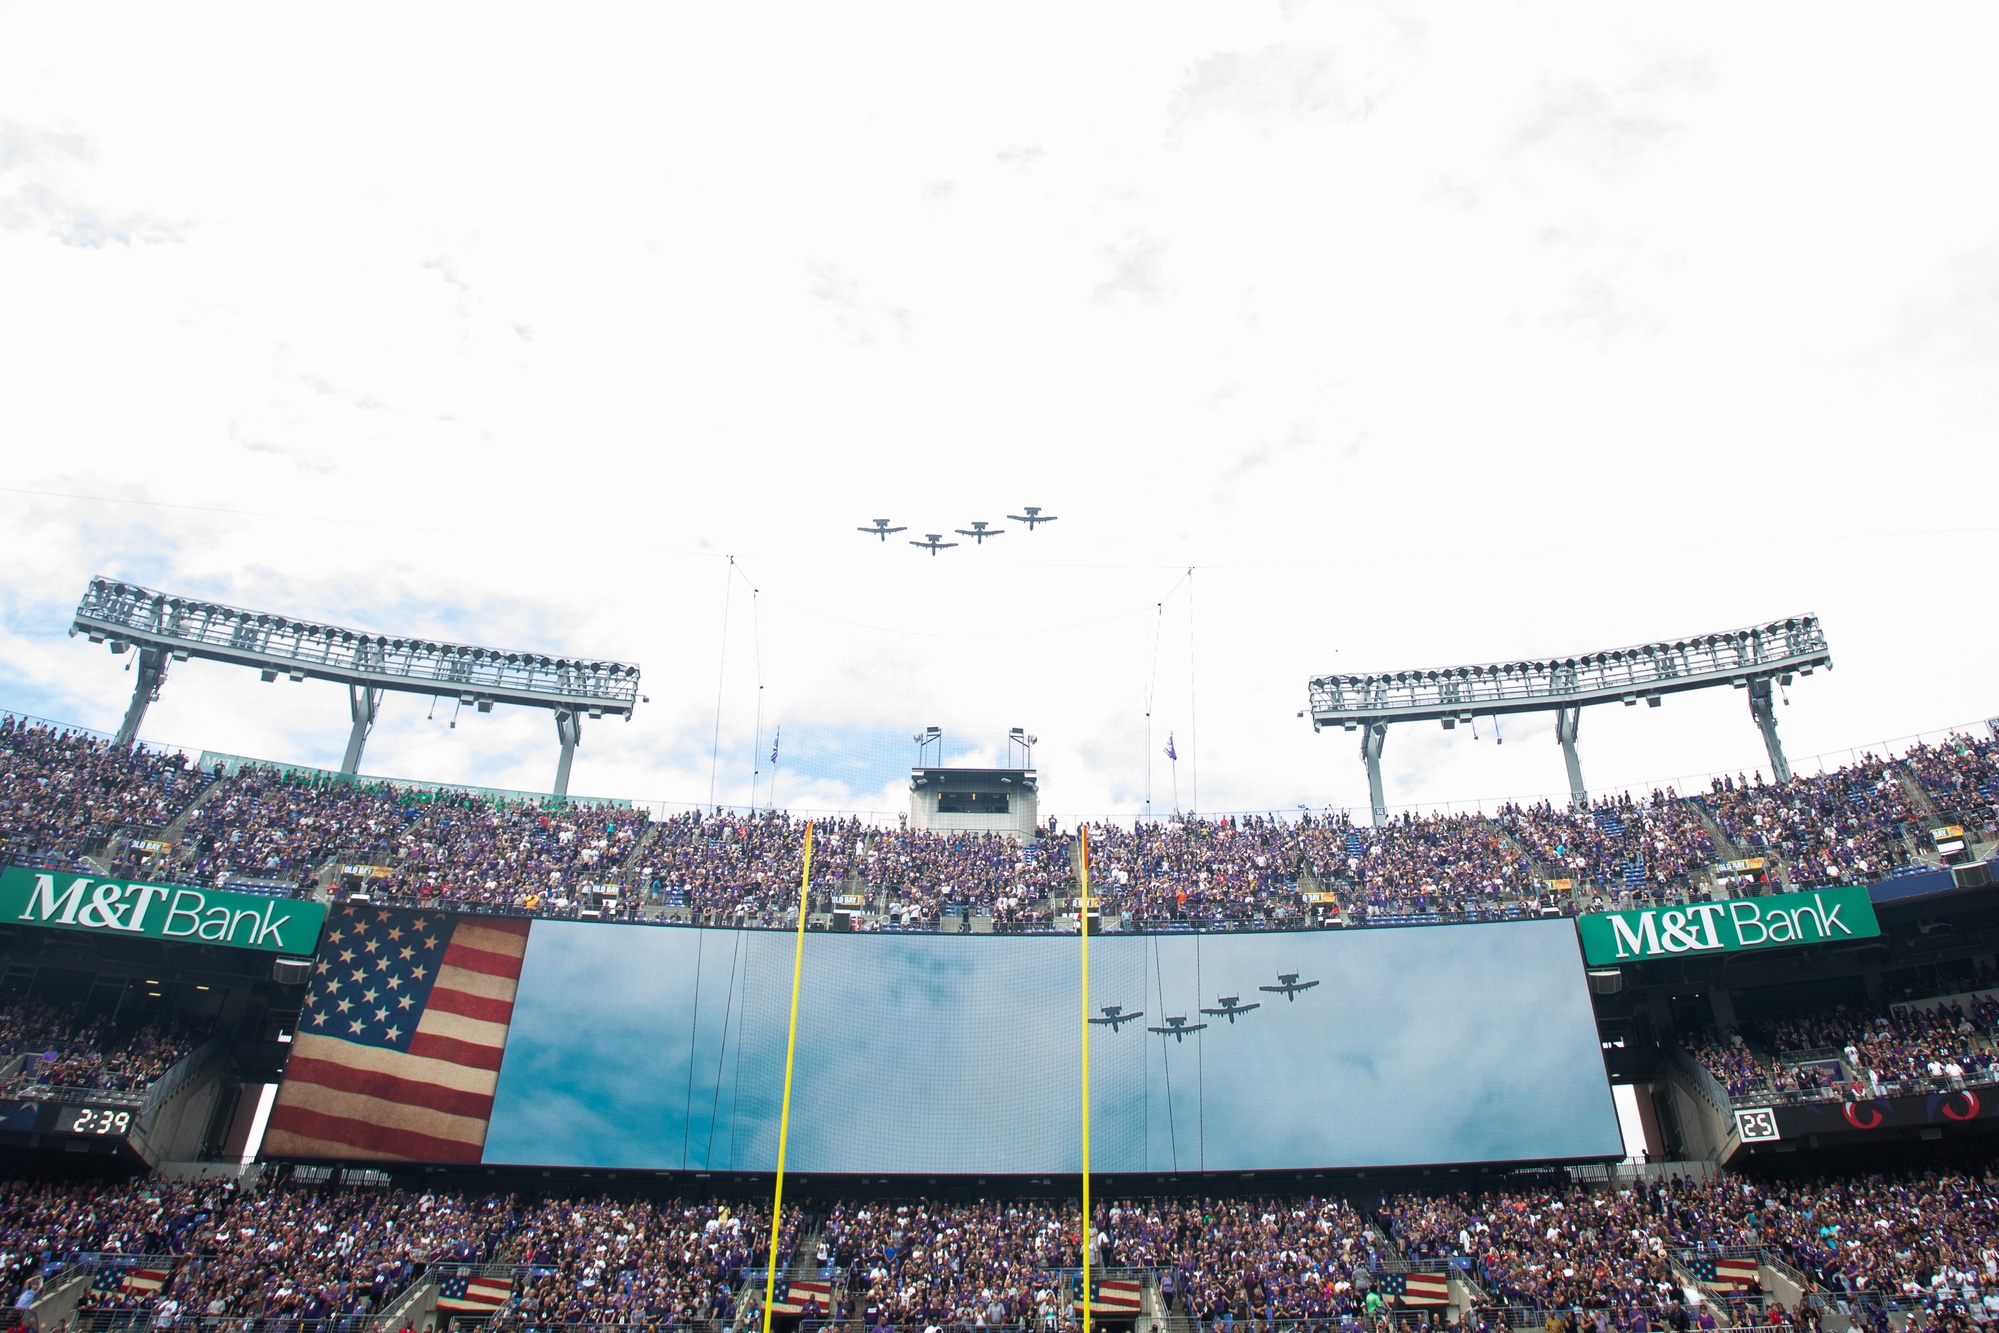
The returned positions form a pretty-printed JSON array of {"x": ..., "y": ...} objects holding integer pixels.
[
  {"x": 174, "y": 629},
  {"x": 1748, "y": 659}
]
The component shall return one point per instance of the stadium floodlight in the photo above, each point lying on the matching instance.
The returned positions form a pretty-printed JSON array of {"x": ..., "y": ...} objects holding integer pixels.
[
  {"x": 1748, "y": 659},
  {"x": 168, "y": 629}
]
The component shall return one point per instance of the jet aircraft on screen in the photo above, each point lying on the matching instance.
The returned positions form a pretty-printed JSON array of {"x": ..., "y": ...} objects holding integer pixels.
[
  {"x": 978, "y": 531},
  {"x": 934, "y": 545},
  {"x": 1031, "y": 517},
  {"x": 1288, "y": 985},
  {"x": 1231, "y": 1007},
  {"x": 1179, "y": 1029},
  {"x": 1115, "y": 1017},
  {"x": 881, "y": 529}
]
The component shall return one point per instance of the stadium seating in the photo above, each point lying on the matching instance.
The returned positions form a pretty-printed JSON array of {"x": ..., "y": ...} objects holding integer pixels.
[
  {"x": 70, "y": 800},
  {"x": 50, "y": 1046},
  {"x": 1866, "y": 1247},
  {"x": 1880, "y": 1049}
]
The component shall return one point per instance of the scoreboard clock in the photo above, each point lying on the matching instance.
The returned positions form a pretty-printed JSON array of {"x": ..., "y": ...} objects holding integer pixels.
[{"x": 98, "y": 1121}]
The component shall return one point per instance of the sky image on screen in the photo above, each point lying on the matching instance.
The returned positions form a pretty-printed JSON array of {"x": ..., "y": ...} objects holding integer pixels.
[{"x": 642, "y": 1047}]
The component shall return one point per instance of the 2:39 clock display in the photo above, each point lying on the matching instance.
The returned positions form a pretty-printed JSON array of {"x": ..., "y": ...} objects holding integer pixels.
[{"x": 100, "y": 1120}]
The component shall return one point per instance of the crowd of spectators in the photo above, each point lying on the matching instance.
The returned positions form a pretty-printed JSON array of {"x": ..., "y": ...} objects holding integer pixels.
[
  {"x": 1961, "y": 776},
  {"x": 1923, "y": 1242},
  {"x": 46, "y": 1045},
  {"x": 64, "y": 792},
  {"x": 294, "y": 1253},
  {"x": 1620, "y": 846},
  {"x": 924, "y": 1263},
  {"x": 441, "y": 848},
  {"x": 1230, "y": 1260},
  {"x": 67, "y": 794},
  {"x": 1849, "y": 826},
  {"x": 1869, "y": 1050},
  {"x": 587, "y": 1261},
  {"x": 1904, "y": 1044}
]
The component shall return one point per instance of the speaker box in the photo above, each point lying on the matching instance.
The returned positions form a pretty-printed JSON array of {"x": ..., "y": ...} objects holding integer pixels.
[
  {"x": 291, "y": 971},
  {"x": 1975, "y": 876}
]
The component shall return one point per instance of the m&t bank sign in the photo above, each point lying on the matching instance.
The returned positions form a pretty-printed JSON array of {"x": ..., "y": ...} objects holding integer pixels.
[
  {"x": 1729, "y": 926},
  {"x": 159, "y": 911}
]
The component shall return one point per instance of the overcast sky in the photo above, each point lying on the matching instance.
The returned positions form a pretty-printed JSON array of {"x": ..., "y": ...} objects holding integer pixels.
[{"x": 1424, "y": 336}]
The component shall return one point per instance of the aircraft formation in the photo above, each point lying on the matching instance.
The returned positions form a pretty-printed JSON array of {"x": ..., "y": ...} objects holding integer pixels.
[
  {"x": 1229, "y": 1007},
  {"x": 980, "y": 530}
]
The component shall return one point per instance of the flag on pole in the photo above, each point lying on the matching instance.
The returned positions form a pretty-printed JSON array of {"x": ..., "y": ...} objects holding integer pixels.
[
  {"x": 1169, "y": 748},
  {"x": 774, "y": 737}
]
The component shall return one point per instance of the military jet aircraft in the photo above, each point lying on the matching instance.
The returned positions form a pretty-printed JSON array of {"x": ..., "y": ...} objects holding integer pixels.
[
  {"x": 934, "y": 545},
  {"x": 881, "y": 529},
  {"x": 1031, "y": 517},
  {"x": 1115, "y": 1017},
  {"x": 1179, "y": 1029},
  {"x": 1231, "y": 1006},
  {"x": 978, "y": 531},
  {"x": 1288, "y": 985}
]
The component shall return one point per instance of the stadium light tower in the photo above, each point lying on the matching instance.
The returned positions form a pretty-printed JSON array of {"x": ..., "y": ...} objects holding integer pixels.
[
  {"x": 169, "y": 629},
  {"x": 1749, "y": 659}
]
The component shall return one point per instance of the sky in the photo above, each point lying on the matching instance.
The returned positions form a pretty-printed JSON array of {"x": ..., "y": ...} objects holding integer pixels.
[
  {"x": 638, "y": 1046},
  {"x": 1339, "y": 337}
]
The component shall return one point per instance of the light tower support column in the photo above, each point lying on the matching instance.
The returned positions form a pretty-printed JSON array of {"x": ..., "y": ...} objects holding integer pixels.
[
  {"x": 1567, "y": 721},
  {"x": 568, "y": 730},
  {"x": 152, "y": 673},
  {"x": 362, "y": 703},
  {"x": 1766, "y": 721},
  {"x": 1371, "y": 742}
]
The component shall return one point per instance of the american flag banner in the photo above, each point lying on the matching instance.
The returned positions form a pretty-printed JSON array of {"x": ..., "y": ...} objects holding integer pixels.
[
  {"x": 1115, "y": 1297},
  {"x": 399, "y": 1043},
  {"x": 800, "y": 1297},
  {"x": 131, "y": 1281},
  {"x": 1726, "y": 1272},
  {"x": 1415, "y": 1288},
  {"x": 473, "y": 1295}
]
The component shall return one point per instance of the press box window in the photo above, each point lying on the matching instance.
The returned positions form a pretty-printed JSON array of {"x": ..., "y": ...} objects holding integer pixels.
[{"x": 971, "y": 803}]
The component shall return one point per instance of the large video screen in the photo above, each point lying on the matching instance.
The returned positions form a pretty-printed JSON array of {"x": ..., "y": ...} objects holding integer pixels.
[{"x": 664, "y": 1048}]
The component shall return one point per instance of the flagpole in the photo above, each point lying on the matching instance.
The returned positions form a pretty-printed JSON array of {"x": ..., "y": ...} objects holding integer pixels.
[
  {"x": 790, "y": 1048},
  {"x": 1083, "y": 931}
]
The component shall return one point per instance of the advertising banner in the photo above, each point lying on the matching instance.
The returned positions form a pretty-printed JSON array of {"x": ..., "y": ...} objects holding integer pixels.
[
  {"x": 1955, "y": 1106},
  {"x": 1729, "y": 926},
  {"x": 159, "y": 911}
]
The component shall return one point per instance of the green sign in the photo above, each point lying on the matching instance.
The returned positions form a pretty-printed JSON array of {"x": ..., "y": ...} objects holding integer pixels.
[
  {"x": 159, "y": 911},
  {"x": 1728, "y": 926}
]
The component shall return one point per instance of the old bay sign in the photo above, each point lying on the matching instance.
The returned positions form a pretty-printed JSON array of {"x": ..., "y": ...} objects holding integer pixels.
[
  {"x": 159, "y": 911},
  {"x": 1823, "y": 916}
]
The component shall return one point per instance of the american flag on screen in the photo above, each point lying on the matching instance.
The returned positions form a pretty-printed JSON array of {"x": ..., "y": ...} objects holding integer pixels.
[{"x": 398, "y": 1046}]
